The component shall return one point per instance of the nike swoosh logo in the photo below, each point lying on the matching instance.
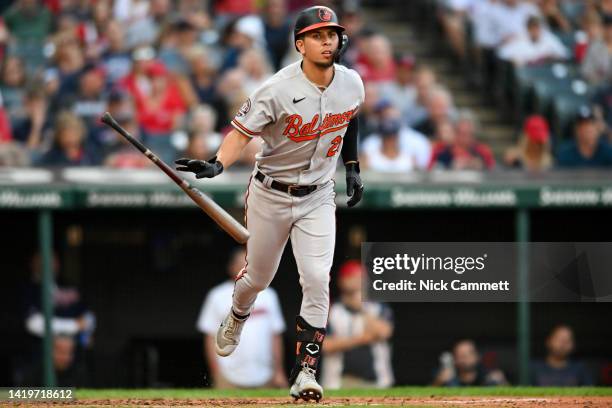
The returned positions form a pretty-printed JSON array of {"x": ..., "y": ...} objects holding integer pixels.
[{"x": 298, "y": 100}]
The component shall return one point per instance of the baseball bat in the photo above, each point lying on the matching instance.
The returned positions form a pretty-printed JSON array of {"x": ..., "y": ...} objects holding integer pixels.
[{"x": 214, "y": 211}]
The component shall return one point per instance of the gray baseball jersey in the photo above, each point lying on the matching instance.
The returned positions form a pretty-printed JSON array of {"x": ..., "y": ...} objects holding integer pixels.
[{"x": 301, "y": 127}]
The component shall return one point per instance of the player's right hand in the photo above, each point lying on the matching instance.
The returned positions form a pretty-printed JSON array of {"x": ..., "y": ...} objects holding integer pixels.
[{"x": 201, "y": 168}]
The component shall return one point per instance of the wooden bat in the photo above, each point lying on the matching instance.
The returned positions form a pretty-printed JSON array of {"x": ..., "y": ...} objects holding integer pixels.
[{"x": 214, "y": 211}]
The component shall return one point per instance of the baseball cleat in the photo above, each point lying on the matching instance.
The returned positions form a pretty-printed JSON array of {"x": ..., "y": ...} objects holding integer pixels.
[
  {"x": 228, "y": 335},
  {"x": 306, "y": 386}
]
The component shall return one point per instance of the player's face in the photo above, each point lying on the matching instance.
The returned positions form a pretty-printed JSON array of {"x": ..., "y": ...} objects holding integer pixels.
[{"x": 319, "y": 46}]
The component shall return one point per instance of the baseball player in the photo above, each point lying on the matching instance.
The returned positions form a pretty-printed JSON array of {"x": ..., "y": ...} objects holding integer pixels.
[{"x": 305, "y": 116}]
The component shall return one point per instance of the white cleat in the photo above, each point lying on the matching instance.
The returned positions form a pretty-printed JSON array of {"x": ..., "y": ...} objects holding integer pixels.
[
  {"x": 306, "y": 386},
  {"x": 228, "y": 335}
]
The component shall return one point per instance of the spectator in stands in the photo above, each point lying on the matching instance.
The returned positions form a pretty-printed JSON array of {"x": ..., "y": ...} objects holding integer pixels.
[
  {"x": 557, "y": 369},
  {"x": 68, "y": 370},
  {"x": 533, "y": 151},
  {"x": 176, "y": 45},
  {"x": 591, "y": 32},
  {"x": 62, "y": 78},
  {"x": 382, "y": 152},
  {"x": 121, "y": 154},
  {"x": 254, "y": 63},
  {"x": 12, "y": 88},
  {"x": 90, "y": 101},
  {"x": 453, "y": 17},
  {"x": 588, "y": 148},
  {"x": 161, "y": 110},
  {"x": 424, "y": 82},
  {"x": 143, "y": 20},
  {"x": 115, "y": 59},
  {"x": 13, "y": 155},
  {"x": 258, "y": 362},
  {"x": 278, "y": 29},
  {"x": 439, "y": 105},
  {"x": 402, "y": 91},
  {"x": 511, "y": 19},
  {"x": 463, "y": 368},
  {"x": 597, "y": 65},
  {"x": 231, "y": 89},
  {"x": 486, "y": 37},
  {"x": 553, "y": 16},
  {"x": 203, "y": 140},
  {"x": 29, "y": 129},
  {"x": 353, "y": 22},
  {"x": 357, "y": 353},
  {"x": 368, "y": 117},
  {"x": 246, "y": 33},
  {"x": 29, "y": 23},
  {"x": 101, "y": 139},
  {"x": 203, "y": 80},
  {"x": 395, "y": 147},
  {"x": 535, "y": 46},
  {"x": 68, "y": 143},
  {"x": 376, "y": 63},
  {"x": 464, "y": 152}
]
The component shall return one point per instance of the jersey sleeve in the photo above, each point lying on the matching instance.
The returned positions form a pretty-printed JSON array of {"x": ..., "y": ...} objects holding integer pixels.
[{"x": 256, "y": 112}]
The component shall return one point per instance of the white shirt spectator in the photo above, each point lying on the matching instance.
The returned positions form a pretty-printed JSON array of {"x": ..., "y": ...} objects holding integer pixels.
[
  {"x": 251, "y": 364},
  {"x": 484, "y": 15},
  {"x": 404, "y": 98},
  {"x": 511, "y": 21},
  {"x": 415, "y": 152},
  {"x": 523, "y": 50}
]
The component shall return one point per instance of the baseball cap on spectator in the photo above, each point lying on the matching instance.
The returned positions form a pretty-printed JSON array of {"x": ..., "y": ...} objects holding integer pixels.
[
  {"x": 182, "y": 24},
  {"x": 117, "y": 95},
  {"x": 94, "y": 69},
  {"x": 585, "y": 113},
  {"x": 350, "y": 269},
  {"x": 143, "y": 53},
  {"x": 156, "y": 69},
  {"x": 405, "y": 61},
  {"x": 536, "y": 129},
  {"x": 252, "y": 27},
  {"x": 389, "y": 127},
  {"x": 382, "y": 105}
]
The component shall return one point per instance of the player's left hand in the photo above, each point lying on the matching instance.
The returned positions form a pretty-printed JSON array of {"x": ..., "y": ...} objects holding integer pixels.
[
  {"x": 200, "y": 168},
  {"x": 354, "y": 186}
]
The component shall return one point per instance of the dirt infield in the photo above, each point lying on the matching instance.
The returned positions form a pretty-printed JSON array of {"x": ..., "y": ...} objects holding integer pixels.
[{"x": 433, "y": 401}]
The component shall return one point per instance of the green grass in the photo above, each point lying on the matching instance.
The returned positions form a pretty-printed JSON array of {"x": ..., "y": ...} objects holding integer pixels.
[{"x": 392, "y": 392}]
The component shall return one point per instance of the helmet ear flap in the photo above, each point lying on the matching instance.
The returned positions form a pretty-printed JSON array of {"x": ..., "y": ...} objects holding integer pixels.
[{"x": 342, "y": 47}]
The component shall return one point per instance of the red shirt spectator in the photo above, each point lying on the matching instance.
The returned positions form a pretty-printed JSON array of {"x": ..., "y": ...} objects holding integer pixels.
[
  {"x": 464, "y": 152},
  {"x": 5, "y": 127},
  {"x": 376, "y": 63},
  {"x": 160, "y": 108},
  {"x": 235, "y": 7}
]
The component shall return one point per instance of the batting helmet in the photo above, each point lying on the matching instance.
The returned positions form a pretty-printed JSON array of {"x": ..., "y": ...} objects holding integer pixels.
[{"x": 317, "y": 17}]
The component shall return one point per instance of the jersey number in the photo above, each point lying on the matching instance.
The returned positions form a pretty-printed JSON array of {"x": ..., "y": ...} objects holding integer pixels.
[{"x": 335, "y": 145}]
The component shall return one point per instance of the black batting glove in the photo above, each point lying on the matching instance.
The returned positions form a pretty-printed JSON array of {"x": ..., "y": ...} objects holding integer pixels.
[
  {"x": 354, "y": 186},
  {"x": 201, "y": 168}
]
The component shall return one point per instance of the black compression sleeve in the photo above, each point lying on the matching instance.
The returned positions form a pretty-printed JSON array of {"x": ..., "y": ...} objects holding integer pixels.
[{"x": 350, "y": 143}]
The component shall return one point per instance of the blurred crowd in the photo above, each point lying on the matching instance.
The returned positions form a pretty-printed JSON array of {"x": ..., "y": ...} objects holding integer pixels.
[
  {"x": 570, "y": 40},
  {"x": 174, "y": 72}
]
